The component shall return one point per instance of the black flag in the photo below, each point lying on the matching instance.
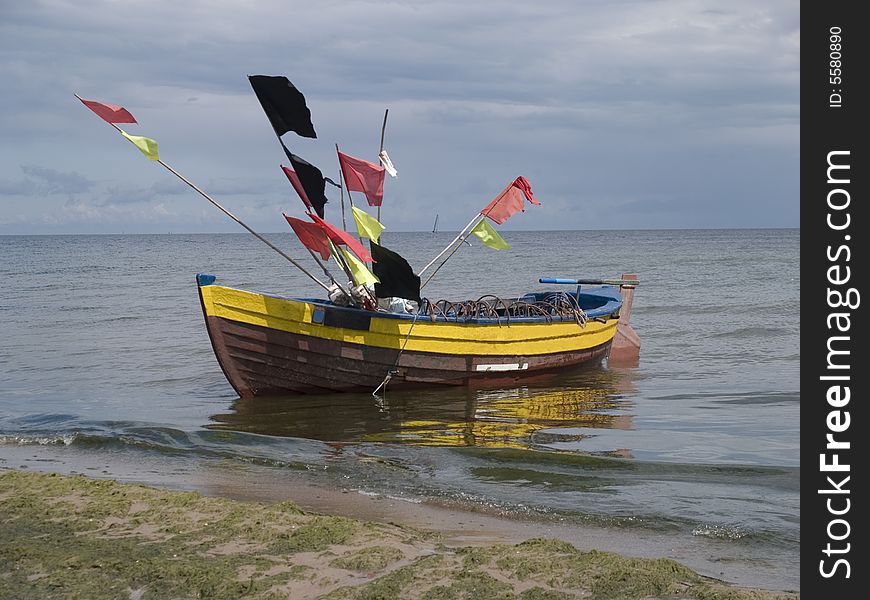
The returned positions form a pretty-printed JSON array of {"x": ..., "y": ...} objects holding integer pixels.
[
  {"x": 283, "y": 104},
  {"x": 397, "y": 278},
  {"x": 312, "y": 181}
]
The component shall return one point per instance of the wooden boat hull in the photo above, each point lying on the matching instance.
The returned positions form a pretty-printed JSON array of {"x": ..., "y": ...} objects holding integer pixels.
[{"x": 269, "y": 345}]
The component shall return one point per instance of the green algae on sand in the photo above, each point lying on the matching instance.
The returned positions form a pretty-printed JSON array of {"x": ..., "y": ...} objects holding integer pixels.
[{"x": 76, "y": 537}]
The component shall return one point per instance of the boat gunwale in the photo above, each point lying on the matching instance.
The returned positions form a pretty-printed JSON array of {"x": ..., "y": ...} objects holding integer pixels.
[{"x": 609, "y": 309}]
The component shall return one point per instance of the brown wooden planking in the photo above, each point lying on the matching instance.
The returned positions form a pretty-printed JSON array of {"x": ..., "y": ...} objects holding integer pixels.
[{"x": 259, "y": 361}]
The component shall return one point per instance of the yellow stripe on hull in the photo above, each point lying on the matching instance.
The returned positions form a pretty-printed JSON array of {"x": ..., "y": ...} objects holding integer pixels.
[{"x": 516, "y": 339}]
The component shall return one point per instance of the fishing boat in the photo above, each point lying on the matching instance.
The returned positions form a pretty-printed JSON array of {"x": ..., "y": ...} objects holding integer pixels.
[
  {"x": 270, "y": 345},
  {"x": 374, "y": 329}
]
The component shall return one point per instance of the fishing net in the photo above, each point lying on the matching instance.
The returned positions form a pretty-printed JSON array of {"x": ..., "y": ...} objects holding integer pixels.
[{"x": 554, "y": 306}]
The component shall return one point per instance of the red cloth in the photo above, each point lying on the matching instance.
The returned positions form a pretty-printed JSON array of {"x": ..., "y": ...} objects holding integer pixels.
[
  {"x": 363, "y": 176},
  {"x": 311, "y": 235},
  {"x": 523, "y": 183},
  {"x": 339, "y": 236},
  {"x": 510, "y": 201},
  {"x": 110, "y": 113},
  {"x": 297, "y": 185}
]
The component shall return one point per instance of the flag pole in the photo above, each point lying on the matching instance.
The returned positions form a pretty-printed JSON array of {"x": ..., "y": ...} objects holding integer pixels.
[
  {"x": 240, "y": 222},
  {"x": 311, "y": 252},
  {"x": 383, "y": 130},
  {"x": 343, "y": 185},
  {"x": 471, "y": 223},
  {"x": 349, "y": 197},
  {"x": 455, "y": 249},
  {"x": 323, "y": 268},
  {"x": 456, "y": 239},
  {"x": 341, "y": 180},
  {"x": 341, "y": 263},
  {"x": 339, "y": 258},
  {"x": 231, "y": 215}
]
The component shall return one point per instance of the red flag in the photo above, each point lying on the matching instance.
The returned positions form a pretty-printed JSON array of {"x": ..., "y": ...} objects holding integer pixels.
[
  {"x": 523, "y": 183},
  {"x": 110, "y": 113},
  {"x": 311, "y": 235},
  {"x": 297, "y": 185},
  {"x": 339, "y": 236},
  {"x": 510, "y": 201},
  {"x": 363, "y": 176}
]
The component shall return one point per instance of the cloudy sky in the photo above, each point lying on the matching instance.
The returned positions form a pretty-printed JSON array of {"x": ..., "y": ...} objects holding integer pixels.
[{"x": 622, "y": 114}]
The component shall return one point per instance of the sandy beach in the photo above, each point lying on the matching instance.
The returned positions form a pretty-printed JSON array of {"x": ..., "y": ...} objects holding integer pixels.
[{"x": 75, "y": 536}]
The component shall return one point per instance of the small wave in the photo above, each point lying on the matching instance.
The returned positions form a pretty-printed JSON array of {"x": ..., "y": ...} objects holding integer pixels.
[
  {"x": 38, "y": 440},
  {"x": 721, "y": 532},
  {"x": 762, "y": 398},
  {"x": 405, "y": 499},
  {"x": 750, "y": 332},
  {"x": 682, "y": 309},
  {"x": 124, "y": 318},
  {"x": 737, "y": 533},
  {"x": 371, "y": 494},
  {"x": 747, "y": 397}
]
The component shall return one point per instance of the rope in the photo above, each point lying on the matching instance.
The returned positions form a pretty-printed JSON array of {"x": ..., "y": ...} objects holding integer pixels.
[{"x": 394, "y": 370}]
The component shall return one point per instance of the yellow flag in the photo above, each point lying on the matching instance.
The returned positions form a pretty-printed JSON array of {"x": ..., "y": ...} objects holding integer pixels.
[
  {"x": 489, "y": 236},
  {"x": 146, "y": 145},
  {"x": 361, "y": 273},
  {"x": 366, "y": 225}
]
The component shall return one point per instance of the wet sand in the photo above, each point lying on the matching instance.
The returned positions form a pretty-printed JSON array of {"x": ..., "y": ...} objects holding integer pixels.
[
  {"x": 391, "y": 548},
  {"x": 456, "y": 524}
]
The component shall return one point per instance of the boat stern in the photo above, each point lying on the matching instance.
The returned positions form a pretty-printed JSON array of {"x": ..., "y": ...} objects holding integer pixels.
[{"x": 625, "y": 349}]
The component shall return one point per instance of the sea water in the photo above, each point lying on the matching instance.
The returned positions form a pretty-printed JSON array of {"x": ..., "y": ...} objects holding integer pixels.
[{"x": 104, "y": 360}]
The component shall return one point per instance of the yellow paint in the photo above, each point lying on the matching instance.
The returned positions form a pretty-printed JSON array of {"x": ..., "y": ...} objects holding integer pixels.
[{"x": 518, "y": 339}]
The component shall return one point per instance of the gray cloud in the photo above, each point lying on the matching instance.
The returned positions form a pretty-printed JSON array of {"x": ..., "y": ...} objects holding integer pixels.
[
  {"x": 50, "y": 181},
  {"x": 622, "y": 114}
]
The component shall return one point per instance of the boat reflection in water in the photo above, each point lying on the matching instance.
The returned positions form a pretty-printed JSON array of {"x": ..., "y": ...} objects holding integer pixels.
[{"x": 520, "y": 417}]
